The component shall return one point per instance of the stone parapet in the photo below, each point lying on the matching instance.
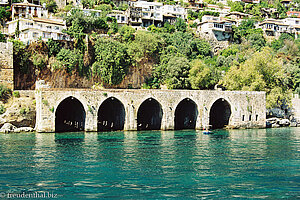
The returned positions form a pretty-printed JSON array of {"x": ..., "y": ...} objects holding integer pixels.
[{"x": 6, "y": 65}]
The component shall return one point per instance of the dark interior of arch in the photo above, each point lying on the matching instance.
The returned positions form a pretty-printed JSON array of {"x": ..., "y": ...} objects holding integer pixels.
[
  {"x": 186, "y": 115},
  {"x": 219, "y": 114},
  {"x": 70, "y": 116},
  {"x": 111, "y": 115},
  {"x": 149, "y": 115}
]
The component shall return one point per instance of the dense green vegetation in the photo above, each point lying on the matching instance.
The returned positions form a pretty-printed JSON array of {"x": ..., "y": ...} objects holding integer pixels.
[
  {"x": 179, "y": 59},
  {"x": 5, "y": 93}
]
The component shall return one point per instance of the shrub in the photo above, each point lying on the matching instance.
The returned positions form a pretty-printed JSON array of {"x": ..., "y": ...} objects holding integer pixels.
[
  {"x": 16, "y": 94},
  {"x": 24, "y": 111},
  {"x": 4, "y": 93},
  {"x": 2, "y": 109}
]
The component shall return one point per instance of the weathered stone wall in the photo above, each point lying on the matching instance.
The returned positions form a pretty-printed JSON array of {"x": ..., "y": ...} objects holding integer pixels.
[
  {"x": 242, "y": 104},
  {"x": 6, "y": 65},
  {"x": 296, "y": 107}
]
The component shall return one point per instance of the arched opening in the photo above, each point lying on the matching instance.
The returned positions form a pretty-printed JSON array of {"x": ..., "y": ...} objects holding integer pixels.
[
  {"x": 149, "y": 115},
  {"x": 111, "y": 115},
  {"x": 70, "y": 116},
  {"x": 219, "y": 114},
  {"x": 186, "y": 115}
]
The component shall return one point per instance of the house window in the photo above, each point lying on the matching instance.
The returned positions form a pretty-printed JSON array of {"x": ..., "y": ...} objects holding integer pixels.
[
  {"x": 35, "y": 34},
  {"x": 122, "y": 18},
  {"x": 256, "y": 117},
  {"x": 250, "y": 117},
  {"x": 218, "y": 25},
  {"x": 297, "y": 22},
  {"x": 243, "y": 117},
  {"x": 56, "y": 28},
  {"x": 48, "y": 27}
]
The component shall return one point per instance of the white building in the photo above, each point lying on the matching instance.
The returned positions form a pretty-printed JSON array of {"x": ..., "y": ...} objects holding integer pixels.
[
  {"x": 273, "y": 27},
  {"x": 176, "y": 11},
  {"x": 38, "y": 28},
  {"x": 27, "y": 10},
  {"x": 121, "y": 16},
  {"x": 215, "y": 27},
  {"x": 215, "y": 8},
  {"x": 3, "y": 2},
  {"x": 171, "y": 12},
  {"x": 151, "y": 12}
]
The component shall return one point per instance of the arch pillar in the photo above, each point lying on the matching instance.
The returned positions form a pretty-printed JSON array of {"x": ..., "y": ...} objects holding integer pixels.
[
  {"x": 91, "y": 119},
  {"x": 199, "y": 118},
  {"x": 168, "y": 118},
  {"x": 130, "y": 118}
]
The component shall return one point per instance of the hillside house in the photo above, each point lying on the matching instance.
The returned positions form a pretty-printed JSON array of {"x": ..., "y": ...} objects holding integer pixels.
[
  {"x": 27, "y": 10},
  {"x": 273, "y": 27},
  {"x": 4, "y": 2},
  {"x": 151, "y": 12},
  {"x": 171, "y": 12},
  {"x": 38, "y": 28},
  {"x": 215, "y": 27},
  {"x": 293, "y": 14}
]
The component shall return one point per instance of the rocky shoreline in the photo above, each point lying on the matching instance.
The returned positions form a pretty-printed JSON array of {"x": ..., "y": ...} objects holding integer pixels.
[{"x": 270, "y": 123}]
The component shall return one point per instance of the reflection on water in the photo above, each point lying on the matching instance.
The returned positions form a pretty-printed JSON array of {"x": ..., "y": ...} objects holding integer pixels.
[{"x": 258, "y": 163}]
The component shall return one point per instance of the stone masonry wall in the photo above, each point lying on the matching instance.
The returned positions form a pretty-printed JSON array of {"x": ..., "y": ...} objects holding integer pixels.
[
  {"x": 247, "y": 108},
  {"x": 6, "y": 65},
  {"x": 296, "y": 107}
]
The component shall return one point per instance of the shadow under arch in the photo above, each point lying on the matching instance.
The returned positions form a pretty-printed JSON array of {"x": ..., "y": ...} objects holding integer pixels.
[
  {"x": 111, "y": 115},
  {"x": 219, "y": 114},
  {"x": 70, "y": 116},
  {"x": 149, "y": 115},
  {"x": 186, "y": 114}
]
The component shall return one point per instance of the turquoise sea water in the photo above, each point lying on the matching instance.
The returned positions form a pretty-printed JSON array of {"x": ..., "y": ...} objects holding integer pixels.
[{"x": 235, "y": 164}]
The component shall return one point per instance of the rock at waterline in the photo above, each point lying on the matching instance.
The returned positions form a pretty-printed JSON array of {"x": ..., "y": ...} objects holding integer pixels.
[
  {"x": 7, "y": 128},
  {"x": 23, "y": 129},
  {"x": 293, "y": 124},
  {"x": 284, "y": 122}
]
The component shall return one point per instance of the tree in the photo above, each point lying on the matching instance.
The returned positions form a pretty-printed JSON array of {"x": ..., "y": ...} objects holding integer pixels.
[
  {"x": 180, "y": 25},
  {"x": 262, "y": 72},
  {"x": 257, "y": 41},
  {"x": 17, "y": 31},
  {"x": 4, "y": 14},
  {"x": 189, "y": 46},
  {"x": 2, "y": 38},
  {"x": 203, "y": 77},
  {"x": 127, "y": 33},
  {"x": 246, "y": 28},
  {"x": 79, "y": 24},
  {"x": 51, "y": 5},
  {"x": 278, "y": 44},
  {"x": 236, "y": 6},
  {"x": 112, "y": 61},
  {"x": 53, "y": 46},
  {"x": 145, "y": 45},
  {"x": 70, "y": 60},
  {"x": 177, "y": 73},
  {"x": 20, "y": 57},
  {"x": 105, "y": 9}
]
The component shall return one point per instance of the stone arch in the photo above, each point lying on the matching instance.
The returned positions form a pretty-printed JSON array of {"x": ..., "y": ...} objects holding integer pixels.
[
  {"x": 70, "y": 115},
  {"x": 186, "y": 114},
  {"x": 111, "y": 115},
  {"x": 149, "y": 115},
  {"x": 219, "y": 114}
]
